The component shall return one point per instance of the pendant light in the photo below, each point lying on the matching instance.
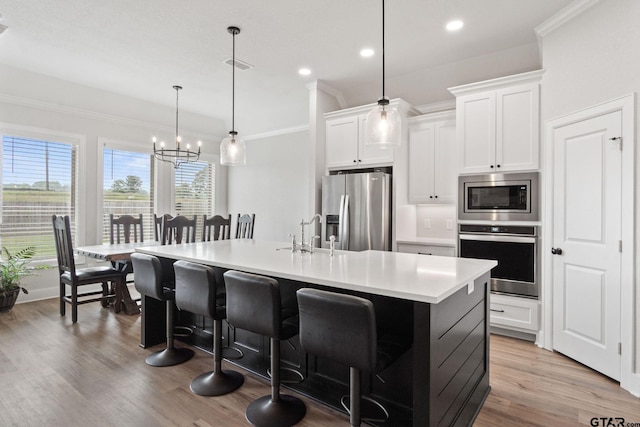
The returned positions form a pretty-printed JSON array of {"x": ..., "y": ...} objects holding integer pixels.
[
  {"x": 232, "y": 148},
  {"x": 383, "y": 122},
  {"x": 178, "y": 155}
]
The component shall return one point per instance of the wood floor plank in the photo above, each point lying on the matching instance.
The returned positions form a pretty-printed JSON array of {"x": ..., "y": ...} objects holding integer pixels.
[{"x": 56, "y": 373}]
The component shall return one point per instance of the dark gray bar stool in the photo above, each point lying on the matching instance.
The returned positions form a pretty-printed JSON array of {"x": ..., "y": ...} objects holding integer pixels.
[
  {"x": 253, "y": 304},
  {"x": 197, "y": 292},
  {"x": 148, "y": 280},
  {"x": 343, "y": 328}
]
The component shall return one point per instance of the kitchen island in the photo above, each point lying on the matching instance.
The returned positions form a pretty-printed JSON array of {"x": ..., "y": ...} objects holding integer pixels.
[{"x": 438, "y": 305}]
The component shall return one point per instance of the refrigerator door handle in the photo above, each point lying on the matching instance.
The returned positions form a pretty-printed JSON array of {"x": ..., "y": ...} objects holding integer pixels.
[
  {"x": 340, "y": 222},
  {"x": 345, "y": 224}
]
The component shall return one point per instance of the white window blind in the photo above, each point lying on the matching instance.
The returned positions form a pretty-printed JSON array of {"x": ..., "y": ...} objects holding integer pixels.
[
  {"x": 128, "y": 188},
  {"x": 38, "y": 180},
  {"x": 195, "y": 189}
]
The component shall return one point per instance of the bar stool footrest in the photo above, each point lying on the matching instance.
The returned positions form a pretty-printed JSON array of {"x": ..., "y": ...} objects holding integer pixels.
[{"x": 368, "y": 409}]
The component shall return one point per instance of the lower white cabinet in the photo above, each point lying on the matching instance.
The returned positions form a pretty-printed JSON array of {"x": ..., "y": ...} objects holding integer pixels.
[
  {"x": 509, "y": 312},
  {"x": 426, "y": 249}
]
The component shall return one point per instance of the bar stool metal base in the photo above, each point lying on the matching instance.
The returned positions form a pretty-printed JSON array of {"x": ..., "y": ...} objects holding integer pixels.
[
  {"x": 285, "y": 412},
  {"x": 169, "y": 356},
  {"x": 216, "y": 383}
]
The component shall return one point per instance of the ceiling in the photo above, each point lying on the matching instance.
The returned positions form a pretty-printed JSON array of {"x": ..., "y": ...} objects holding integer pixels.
[{"x": 141, "y": 48}]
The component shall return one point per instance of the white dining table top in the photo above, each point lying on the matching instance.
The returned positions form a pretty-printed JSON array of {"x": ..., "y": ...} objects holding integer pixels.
[{"x": 424, "y": 278}]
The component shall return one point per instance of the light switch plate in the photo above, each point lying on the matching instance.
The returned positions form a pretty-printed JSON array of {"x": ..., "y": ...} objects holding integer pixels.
[
  {"x": 449, "y": 224},
  {"x": 427, "y": 223}
]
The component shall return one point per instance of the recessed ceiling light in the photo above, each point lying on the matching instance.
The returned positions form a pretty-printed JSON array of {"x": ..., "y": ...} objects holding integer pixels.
[
  {"x": 304, "y": 71},
  {"x": 367, "y": 52},
  {"x": 454, "y": 25}
]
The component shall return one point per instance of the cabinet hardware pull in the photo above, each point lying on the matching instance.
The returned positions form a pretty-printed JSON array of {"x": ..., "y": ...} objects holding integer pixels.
[
  {"x": 491, "y": 166},
  {"x": 556, "y": 251},
  {"x": 497, "y": 311},
  {"x": 498, "y": 166}
]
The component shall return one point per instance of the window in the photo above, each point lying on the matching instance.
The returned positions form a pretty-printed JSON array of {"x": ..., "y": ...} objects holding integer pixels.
[
  {"x": 38, "y": 180},
  {"x": 195, "y": 189},
  {"x": 128, "y": 188}
]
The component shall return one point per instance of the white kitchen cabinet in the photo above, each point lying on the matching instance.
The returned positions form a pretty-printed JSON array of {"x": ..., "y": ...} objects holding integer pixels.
[
  {"x": 345, "y": 138},
  {"x": 346, "y": 145},
  {"x": 519, "y": 314},
  {"x": 433, "y": 174},
  {"x": 498, "y": 124},
  {"x": 426, "y": 249}
]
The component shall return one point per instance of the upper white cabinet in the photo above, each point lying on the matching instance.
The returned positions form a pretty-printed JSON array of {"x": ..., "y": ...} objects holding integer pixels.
[
  {"x": 345, "y": 138},
  {"x": 498, "y": 124},
  {"x": 433, "y": 173}
]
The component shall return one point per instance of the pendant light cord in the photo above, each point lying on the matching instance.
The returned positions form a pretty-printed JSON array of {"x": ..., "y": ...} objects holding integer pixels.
[
  {"x": 233, "y": 84},
  {"x": 383, "y": 49},
  {"x": 177, "y": 88}
]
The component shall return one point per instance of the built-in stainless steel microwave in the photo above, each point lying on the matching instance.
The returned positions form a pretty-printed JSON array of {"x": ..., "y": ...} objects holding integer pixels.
[{"x": 498, "y": 197}]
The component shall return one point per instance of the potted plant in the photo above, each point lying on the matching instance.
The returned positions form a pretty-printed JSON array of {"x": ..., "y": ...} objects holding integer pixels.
[{"x": 13, "y": 267}]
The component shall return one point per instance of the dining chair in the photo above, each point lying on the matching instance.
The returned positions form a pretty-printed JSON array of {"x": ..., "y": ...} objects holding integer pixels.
[
  {"x": 179, "y": 229},
  {"x": 244, "y": 226},
  {"x": 74, "y": 278},
  {"x": 123, "y": 226},
  {"x": 157, "y": 225},
  {"x": 217, "y": 228}
]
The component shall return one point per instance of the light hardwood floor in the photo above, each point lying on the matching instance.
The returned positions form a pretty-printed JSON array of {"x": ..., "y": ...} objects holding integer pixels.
[{"x": 55, "y": 373}]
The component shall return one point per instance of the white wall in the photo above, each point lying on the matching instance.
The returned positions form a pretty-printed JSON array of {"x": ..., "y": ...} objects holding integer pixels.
[
  {"x": 589, "y": 60},
  {"x": 274, "y": 185}
]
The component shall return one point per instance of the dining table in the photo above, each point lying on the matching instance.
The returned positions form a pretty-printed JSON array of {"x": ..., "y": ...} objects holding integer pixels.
[{"x": 119, "y": 254}]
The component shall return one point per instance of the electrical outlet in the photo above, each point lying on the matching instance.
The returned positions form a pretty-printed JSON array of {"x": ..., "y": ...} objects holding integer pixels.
[
  {"x": 427, "y": 223},
  {"x": 449, "y": 224}
]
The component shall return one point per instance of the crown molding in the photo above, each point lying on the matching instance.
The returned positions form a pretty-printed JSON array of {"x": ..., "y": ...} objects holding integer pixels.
[
  {"x": 80, "y": 112},
  {"x": 328, "y": 89},
  {"x": 565, "y": 15},
  {"x": 277, "y": 132},
  {"x": 437, "y": 106},
  {"x": 500, "y": 82}
]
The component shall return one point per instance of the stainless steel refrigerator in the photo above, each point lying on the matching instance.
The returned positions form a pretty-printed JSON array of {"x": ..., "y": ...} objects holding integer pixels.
[{"x": 356, "y": 209}]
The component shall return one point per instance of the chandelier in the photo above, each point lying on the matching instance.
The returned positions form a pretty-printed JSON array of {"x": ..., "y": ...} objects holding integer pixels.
[{"x": 180, "y": 154}]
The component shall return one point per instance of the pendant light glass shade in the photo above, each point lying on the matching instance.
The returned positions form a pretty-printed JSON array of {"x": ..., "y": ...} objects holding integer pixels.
[
  {"x": 232, "y": 149},
  {"x": 383, "y": 126},
  {"x": 383, "y": 122}
]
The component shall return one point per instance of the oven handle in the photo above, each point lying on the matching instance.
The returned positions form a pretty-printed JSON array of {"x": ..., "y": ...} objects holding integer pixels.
[{"x": 497, "y": 238}]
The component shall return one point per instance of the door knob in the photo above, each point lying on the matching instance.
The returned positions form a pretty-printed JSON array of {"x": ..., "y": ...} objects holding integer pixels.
[{"x": 556, "y": 251}]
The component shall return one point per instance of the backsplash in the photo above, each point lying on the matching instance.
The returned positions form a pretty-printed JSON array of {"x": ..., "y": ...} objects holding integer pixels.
[{"x": 436, "y": 221}]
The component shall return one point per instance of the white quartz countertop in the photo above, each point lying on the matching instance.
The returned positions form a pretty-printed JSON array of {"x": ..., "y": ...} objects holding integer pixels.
[{"x": 414, "y": 277}]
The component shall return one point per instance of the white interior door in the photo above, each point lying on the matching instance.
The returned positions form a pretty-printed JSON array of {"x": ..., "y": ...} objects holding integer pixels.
[{"x": 586, "y": 242}]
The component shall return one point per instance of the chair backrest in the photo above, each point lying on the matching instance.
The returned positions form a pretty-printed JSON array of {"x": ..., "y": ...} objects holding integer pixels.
[
  {"x": 64, "y": 244},
  {"x": 338, "y": 326},
  {"x": 157, "y": 225},
  {"x": 216, "y": 227},
  {"x": 126, "y": 224},
  {"x": 179, "y": 229},
  {"x": 197, "y": 291},
  {"x": 253, "y": 303},
  {"x": 147, "y": 274},
  {"x": 244, "y": 226}
]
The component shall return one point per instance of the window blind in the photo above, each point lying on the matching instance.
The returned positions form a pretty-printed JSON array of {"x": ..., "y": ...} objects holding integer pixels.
[
  {"x": 38, "y": 180},
  {"x": 128, "y": 188},
  {"x": 195, "y": 189}
]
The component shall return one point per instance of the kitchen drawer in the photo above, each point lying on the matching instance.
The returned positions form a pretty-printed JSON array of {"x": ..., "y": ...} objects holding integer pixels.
[
  {"x": 513, "y": 312},
  {"x": 426, "y": 249}
]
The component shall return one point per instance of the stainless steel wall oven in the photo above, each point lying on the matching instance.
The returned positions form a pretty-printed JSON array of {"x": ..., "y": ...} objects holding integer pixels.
[{"x": 515, "y": 248}]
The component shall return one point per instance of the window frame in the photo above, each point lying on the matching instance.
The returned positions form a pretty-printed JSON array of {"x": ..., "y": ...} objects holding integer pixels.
[{"x": 79, "y": 140}]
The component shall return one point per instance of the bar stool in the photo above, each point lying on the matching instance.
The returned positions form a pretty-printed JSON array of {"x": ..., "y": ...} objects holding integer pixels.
[
  {"x": 148, "y": 280},
  {"x": 343, "y": 328},
  {"x": 254, "y": 304},
  {"x": 197, "y": 292}
]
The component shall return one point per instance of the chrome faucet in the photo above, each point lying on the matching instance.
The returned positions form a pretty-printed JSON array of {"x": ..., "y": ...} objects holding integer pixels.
[{"x": 307, "y": 247}]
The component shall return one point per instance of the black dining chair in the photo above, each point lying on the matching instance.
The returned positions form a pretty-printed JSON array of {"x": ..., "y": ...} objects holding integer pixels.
[
  {"x": 124, "y": 227},
  {"x": 157, "y": 225},
  {"x": 244, "y": 226},
  {"x": 74, "y": 278},
  {"x": 179, "y": 229},
  {"x": 216, "y": 228}
]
